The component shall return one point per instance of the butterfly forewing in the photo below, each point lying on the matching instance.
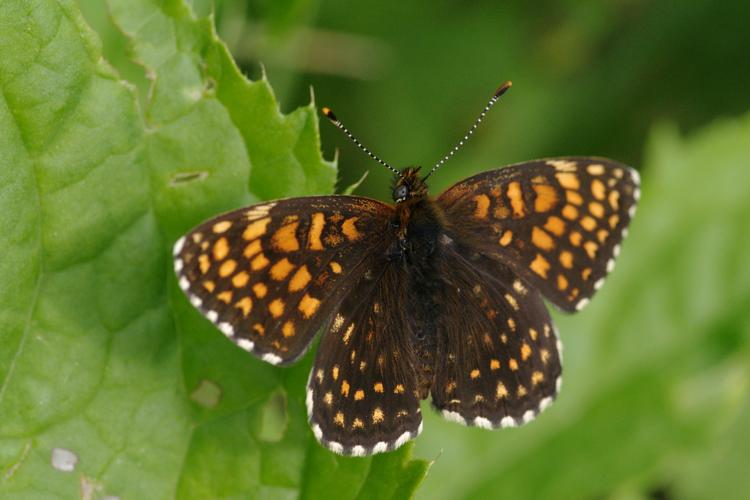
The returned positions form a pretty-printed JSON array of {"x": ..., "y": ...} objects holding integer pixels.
[
  {"x": 270, "y": 274},
  {"x": 498, "y": 361},
  {"x": 557, "y": 223},
  {"x": 361, "y": 395}
]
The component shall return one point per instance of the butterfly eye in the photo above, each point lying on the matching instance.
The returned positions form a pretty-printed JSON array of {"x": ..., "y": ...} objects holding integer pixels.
[{"x": 400, "y": 193}]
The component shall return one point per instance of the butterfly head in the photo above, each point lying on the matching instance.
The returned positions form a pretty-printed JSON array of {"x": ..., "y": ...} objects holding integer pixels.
[{"x": 408, "y": 185}]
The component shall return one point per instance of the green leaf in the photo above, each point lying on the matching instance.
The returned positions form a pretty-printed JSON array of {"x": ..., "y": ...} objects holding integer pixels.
[
  {"x": 104, "y": 366},
  {"x": 657, "y": 369}
]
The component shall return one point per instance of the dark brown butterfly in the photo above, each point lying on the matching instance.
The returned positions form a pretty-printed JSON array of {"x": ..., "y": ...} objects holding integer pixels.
[{"x": 428, "y": 297}]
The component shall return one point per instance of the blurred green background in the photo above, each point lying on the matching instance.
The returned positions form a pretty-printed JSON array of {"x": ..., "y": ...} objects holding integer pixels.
[{"x": 657, "y": 370}]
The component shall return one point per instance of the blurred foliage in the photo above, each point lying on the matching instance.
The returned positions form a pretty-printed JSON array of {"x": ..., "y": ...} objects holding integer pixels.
[{"x": 655, "y": 402}]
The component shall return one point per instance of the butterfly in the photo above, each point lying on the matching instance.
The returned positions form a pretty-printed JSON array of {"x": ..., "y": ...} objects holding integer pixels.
[{"x": 428, "y": 297}]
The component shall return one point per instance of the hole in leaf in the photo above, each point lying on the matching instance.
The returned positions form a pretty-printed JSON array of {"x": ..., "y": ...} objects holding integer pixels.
[
  {"x": 207, "y": 394},
  {"x": 273, "y": 418},
  {"x": 184, "y": 177}
]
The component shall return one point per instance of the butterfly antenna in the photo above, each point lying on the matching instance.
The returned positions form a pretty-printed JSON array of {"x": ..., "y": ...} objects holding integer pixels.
[
  {"x": 495, "y": 97},
  {"x": 329, "y": 114}
]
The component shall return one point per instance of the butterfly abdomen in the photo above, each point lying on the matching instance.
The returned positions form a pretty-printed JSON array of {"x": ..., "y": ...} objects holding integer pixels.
[{"x": 420, "y": 262}]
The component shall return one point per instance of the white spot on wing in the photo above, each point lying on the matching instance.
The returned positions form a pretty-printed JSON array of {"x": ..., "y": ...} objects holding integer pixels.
[
  {"x": 309, "y": 402},
  {"x": 544, "y": 403},
  {"x": 178, "y": 246},
  {"x": 610, "y": 265},
  {"x": 226, "y": 329},
  {"x": 64, "y": 460},
  {"x": 452, "y": 416},
  {"x": 358, "y": 451},
  {"x": 196, "y": 301},
  {"x": 599, "y": 283},
  {"x": 317, "y": 432},
  {"x": 483, "y": 423},
  {"x": 558, "y": 384},
  {"x": 271, "y": 358},
  {"x": 177, "y": 265},
  {"x": 402, "y": 439},
  {"x": 581, "y": 304},
  {"x": 528, "y": 416},
  {"x": 335, "y": 447},
  {"x": 380, "y": 447},
  {"x": 246, "y": 344},
  {"x": 184, "y": 283},
  {"x": 508, "y": 422},
  {"x": 212, "y": 316},
  {"x": 616, "y": 251}
]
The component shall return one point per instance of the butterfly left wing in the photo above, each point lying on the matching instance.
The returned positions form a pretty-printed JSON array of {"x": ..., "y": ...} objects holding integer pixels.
[
  {"x": 269, "y": 275},
  {"x": 498, "y": 358},
  {"x": 558, "y": 223},
  {"x": 361, "y": 395}
]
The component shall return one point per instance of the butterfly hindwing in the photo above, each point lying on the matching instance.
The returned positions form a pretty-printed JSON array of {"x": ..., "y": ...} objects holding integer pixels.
[
  {"x": 361, "y": 395},
  {"x": 498, "y": 361},
  {"x": 558, "y": 223},
  {"x": 269, "y": 275}
]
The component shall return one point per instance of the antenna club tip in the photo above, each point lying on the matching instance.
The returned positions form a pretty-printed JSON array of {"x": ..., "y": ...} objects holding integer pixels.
[
  {"x": 329, "y": 114},
  {"x": 503, "y": 88}
]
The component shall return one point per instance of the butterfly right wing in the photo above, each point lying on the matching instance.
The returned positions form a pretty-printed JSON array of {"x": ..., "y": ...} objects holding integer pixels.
[
  {"x": 269, "y": 275},
  {"x": 558, "y": 223},
  {"x": 362, "y": 394},
  {"x": 498, "y": 361}
]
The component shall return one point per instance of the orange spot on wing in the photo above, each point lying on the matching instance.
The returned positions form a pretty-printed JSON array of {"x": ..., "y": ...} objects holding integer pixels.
[
  {"x": 240, "y": 279},
  {"x": 300, "y": 279},
  {"x": 570, "y": 212},
  {"x": 568, "y": 180},
  {"x": 221, "y": 248},
  {"x": 575, "y": 238},
  {"x": 288, "y": 329},
  {"x": 221, "y": 227},
  {"x": 494, "y": 364},
  {"x": 335, "y": 267},
  {"x": 483, "y": 205},
  {"x": 285, "y": 238},
  {"x": 541, "y": 239},
  {"x": 350, "y": 229},
  {"x": 259, "y": 262},
  {"x": 316, "y": 229},
  {"x": 204, "y": 263},
  {"x": 562, "y": 282},
  {"x": 209, "y": 286},
  {"x": 555, "y": 225},
  {"x": 614, "y": 197},
  {"x": 260, "y": 290},
  {"x": 574, "y": 197},
  {"x": 598, "y": 189},
  {"x": 525, "y": 351},
  {"x": 377, "y": 416},
  {"x": 474, "y": 374},
  {"x": 588, "y": 223},
  {"x": 276, "y": 308},
  {"x": 256, "y": 229},
  {"x": 252, "y": 248},
  {"x": 516, "y": 199},
  {"x": 591, "y": 248},
  {"x": 540, "y": 266},
  {"x": 225, "y": 296},
  {"x": 506, "y": 238},
  {"x": 596, "y": 209},
  {"x": 281, "y": 269},
  {"x": 566, "y": 259},
  {"x": 308, "y": 306},
  {"x": 378, "y": 387},
  {"x": 227, "y": 268},
  {"x": 595, "y": 169},
  {"x": 546, "y": 197},
  {"x": 245, "y": 305},
  {"x": 359, "y": 395}
]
